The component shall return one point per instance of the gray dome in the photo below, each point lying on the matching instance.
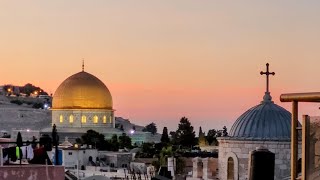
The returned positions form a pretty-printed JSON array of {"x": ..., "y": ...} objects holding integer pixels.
[{"x": 266, "y": 121}]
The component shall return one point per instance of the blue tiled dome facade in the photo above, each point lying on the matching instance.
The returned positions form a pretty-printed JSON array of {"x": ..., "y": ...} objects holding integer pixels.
[{"x": 266, "y": 121}]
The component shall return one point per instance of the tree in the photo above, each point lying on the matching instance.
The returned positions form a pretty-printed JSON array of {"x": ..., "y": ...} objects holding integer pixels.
[
  {"x": 94, "y": 138},
  {"x": 200, "y": 131},
  {"x": 185, "y": 135},
  {"x": 150, "y": 128},
  {"x": 224, "y": 131},
  {"x": 165, "y": 137},
  {"x": 114, "y": 143},
  {"x": 211, "y": 136},
  {"x": 124, "y": 141},
  {"x": 201, "y": 139},
  {"x": 19, "y": 144}
]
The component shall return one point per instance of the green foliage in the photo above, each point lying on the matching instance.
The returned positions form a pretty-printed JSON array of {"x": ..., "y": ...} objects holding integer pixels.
[
  {"x": 185, "y": 135},
  {"x": 148, "y": 150},
  {"x": 164, "y": 154},
  {"x": 150, "y": 128}
]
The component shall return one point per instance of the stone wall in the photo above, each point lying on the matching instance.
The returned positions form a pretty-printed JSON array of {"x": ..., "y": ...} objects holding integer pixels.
[
  {"x": 239, "y": 150},
  {"x": 34, "y": 172}
]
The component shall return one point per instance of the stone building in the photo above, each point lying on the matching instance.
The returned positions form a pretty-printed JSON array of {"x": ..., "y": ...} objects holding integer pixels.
[{"x": 266, "y": 124}]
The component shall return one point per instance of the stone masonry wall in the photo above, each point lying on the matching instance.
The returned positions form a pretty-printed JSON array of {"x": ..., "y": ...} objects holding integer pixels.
[{"x": 240, "y": 149}]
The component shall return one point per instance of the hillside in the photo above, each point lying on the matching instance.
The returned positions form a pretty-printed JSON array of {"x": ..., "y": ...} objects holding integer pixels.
[{"x": 13, "y": 116}]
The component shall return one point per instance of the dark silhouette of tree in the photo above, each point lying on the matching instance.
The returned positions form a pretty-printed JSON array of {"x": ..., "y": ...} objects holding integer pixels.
[
  {"x": 200, "y": 131},
  {"x": 224, "y": 131},
  {"x": 219, "y": 133},
  {"x": 165, "y": 137},
  {"x": 93, "y": 138},
  {"x": 211, "y": 136},
  {"x": 150, "y": 128},
  {"x": 19, "y": 140},
  {"x": 201, "y": 138},
  {"x": 148, "y": 150},
  {"x": 114, "y": 143},
  {"x": 185, "y": 135},
  {"x": 19, "y": 144},
  {"x": 124, "y": 141}
]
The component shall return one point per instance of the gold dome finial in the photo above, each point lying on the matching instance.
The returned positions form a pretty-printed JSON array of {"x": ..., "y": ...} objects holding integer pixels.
[{"x": 82, "y": 64}]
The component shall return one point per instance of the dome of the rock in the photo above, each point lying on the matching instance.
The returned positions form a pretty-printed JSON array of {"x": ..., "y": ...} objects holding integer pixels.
[{"x": 82, "y": 91}]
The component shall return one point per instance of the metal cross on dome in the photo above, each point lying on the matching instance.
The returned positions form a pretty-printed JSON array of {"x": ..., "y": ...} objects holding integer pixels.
[
  {"x": 82, "y": 64},
  {"x": 267, "y": 73}
]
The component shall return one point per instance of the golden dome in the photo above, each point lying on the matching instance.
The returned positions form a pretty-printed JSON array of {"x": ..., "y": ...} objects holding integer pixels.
[{"x": 82, "y": 91}]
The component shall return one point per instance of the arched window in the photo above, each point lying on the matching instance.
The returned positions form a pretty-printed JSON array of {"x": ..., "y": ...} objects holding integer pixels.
[
  {"x": 71, "y": 118},
  {"x": 104, "y": 119},
  {"x": 61, "y": 119},
  {"x": 230, "y": 169},
  {"x": 83, "y": 119},
  {"x": 95, "y": 119}
]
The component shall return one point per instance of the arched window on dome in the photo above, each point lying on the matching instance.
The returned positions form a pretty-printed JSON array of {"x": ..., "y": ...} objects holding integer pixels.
[
  {"x": 61, "y": 119},
  {"x": 83, "y": 119},
  {"x": 71, "y": 118},
  {"x": 95, "y": 119},
  {"x": 104, "y": 119}
]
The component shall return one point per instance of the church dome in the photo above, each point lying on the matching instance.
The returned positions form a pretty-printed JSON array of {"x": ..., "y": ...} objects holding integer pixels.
[
  {"x": 266, "y": 121},
  {"x": 82, "y": 91}
]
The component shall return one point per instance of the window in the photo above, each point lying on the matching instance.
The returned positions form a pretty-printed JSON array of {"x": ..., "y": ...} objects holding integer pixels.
[
  {"x": 61, "y": 119},
  {"x": 230, "y": 171},
  {"x": 104, "y": 119},
  {"x": 70, "y": 153},
  {"x": 71, "y": 118},
  {"x": 110, "y": 119},
  {"x": 112, "y": 165},
  {"x": 83, "y": 119},
  {"x": 95, "y": 119}
]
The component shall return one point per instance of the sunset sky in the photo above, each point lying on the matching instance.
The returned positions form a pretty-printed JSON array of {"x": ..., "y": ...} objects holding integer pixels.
[{"x": 162, "y": 60}]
